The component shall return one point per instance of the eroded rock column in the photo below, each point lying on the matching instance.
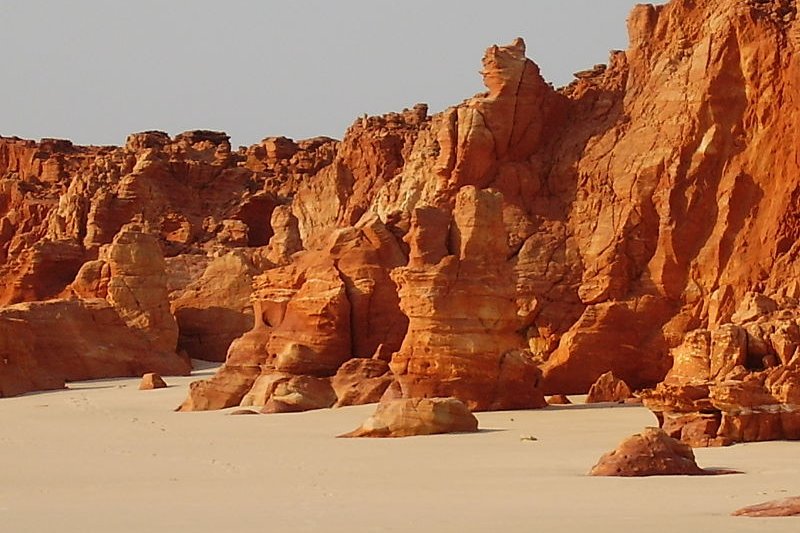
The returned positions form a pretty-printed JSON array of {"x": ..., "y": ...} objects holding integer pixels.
[{"x": 458, "y": 292}]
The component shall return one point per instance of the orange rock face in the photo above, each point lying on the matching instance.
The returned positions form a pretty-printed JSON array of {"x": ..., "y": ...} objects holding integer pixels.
[
  {"x": 417, "y": 416},
  {"x": 214, "y": 309},
  {"x": 293, "y": 394},
  {"x": 120, "y": 325},
  {"x": 137, "y": 287},
  {"x": 650, "y": 453},
  {"x": 235, "y": 378},
  {"x": 44, "y": 344}
]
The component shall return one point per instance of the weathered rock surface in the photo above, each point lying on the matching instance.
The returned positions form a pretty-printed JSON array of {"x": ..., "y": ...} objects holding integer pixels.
[
  {"x": 329, "y": 305},
  {"x": 776, "y": 508},
  {"x": 215, "y": 309},
  {"x": 45, "y": 344},
  {"x": 417, "y": 416},
  {"x": 361, "y": 381},
  {"x": 650, "y": 453},
  {"x": 736, "y": 383},
  {"x": 120, "y": 325},
  {"x": 608, "y": 388},
  {"x": 291, "y": 394},
  {"x": 137, "y": 286},
  {"x": 462, "y": 338},
  {"x": 235, "y": 377}
]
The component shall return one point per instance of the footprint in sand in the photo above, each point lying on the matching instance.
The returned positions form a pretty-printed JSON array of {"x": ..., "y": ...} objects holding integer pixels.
[
  {"x": 80, "y": 402},
  {"x": 228, "y": 467}
]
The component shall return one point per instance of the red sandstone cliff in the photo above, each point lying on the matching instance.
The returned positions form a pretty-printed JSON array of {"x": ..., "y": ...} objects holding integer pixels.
[{"x": 639, "y": 203}]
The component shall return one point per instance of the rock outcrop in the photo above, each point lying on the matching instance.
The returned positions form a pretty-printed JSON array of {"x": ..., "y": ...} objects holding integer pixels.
[
  {"x": 235, "y": 377},
  {"x": 739, "y": 382},
  {"x": 116, "y": 323},
  {"x": 314, "y": 315},
  {"x": 45, "y": 344},
  {"x": 137, "y": 286},
  {"x": 287, "y": 393},
  {"x": 650, "y": 453},
  {"x": 559, "y": 399},
  {"x": 590, "y": 228},
  {"x": 417, "y": 416}
]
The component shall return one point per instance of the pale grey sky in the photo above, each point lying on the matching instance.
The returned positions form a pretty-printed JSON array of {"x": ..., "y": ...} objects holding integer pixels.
[{"x": 95, "y": 70}]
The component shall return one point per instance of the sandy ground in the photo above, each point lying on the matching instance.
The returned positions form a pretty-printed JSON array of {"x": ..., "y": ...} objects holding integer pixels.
[{"x": 106, "y": 457}]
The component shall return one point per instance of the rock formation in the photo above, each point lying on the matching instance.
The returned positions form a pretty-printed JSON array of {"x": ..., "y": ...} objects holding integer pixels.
[
  {"x": 586, "y": 229},
  {"x": 136, "y": 286},
  {"x": 739, "y": 382},
  {"x": 116, "y": 323},
  {"x": 313, "y": 316},
  {"x": 214, "y": 309},
  {"x": 463, "y": 316},
  {"x": 361, "y": 381},
  {"x": 650, "y": 453},
  {"x": 286, "y": 393},
  {"x": 417, "y": 416},
  {"x": 44, "y": 344}
]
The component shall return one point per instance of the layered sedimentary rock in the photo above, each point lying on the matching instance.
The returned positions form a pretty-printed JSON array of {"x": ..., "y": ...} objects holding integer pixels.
[
  {"x": 279, "y": 392},
  {"x": 137, "y": 286},
  {"x": 361, "y": 381},
  {"x": 235, "y": 378},
  {"x": 60, "y": 203},
  {"x": 679, "y": 199},
  {"x": 640, "y": 203},
  {"x": 459, "y": 294},
  {"x": 739, "y": 382}
]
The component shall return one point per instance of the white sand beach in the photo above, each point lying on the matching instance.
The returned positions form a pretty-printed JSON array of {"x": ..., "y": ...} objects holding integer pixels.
[{"x": 106, "y": 457}]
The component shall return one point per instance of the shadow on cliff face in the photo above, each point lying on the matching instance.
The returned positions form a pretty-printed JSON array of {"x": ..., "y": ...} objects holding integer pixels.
[{"x": 206, "y": 333}]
